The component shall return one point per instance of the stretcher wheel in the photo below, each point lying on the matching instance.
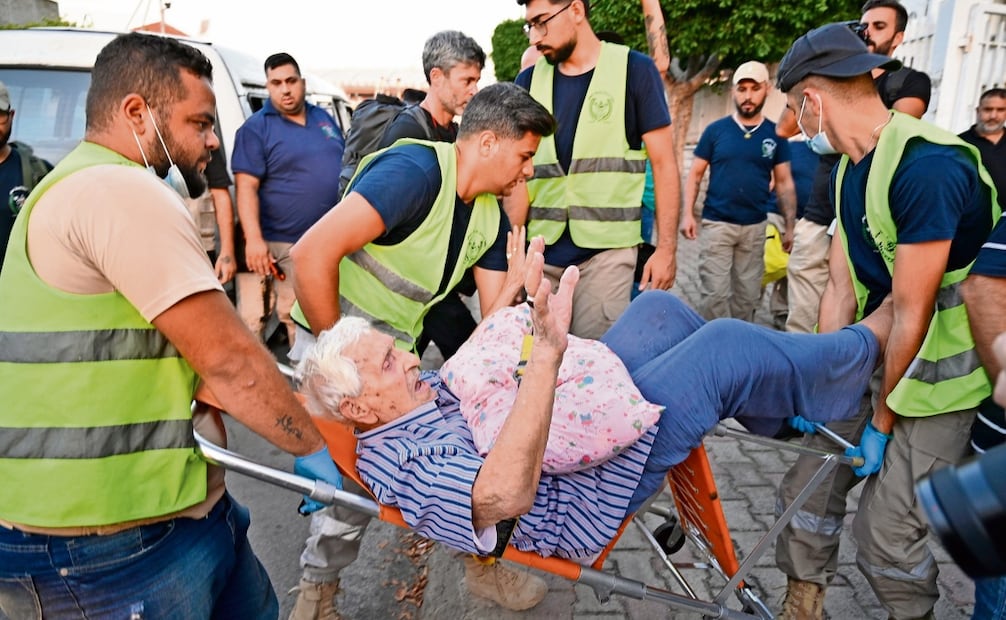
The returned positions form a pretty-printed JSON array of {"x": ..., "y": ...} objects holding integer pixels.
[{"x": 670, "y": 536}]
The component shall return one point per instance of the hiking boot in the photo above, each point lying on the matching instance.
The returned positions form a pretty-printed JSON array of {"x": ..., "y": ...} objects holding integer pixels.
[
  {"x": 804, "y": 601},
  {"x": 512, "y": 589},
  {"x": 315, "y": 601}
]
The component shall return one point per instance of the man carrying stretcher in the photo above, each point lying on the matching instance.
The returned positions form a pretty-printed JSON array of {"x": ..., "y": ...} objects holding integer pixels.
[{"x": 417, "y": 452}]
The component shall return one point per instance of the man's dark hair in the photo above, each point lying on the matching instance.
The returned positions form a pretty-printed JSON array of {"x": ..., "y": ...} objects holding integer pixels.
[
  {"x": 280, "y": 59},
  {"x": 450, "y": 48},
  {"x": 585, "y": 3},
  {"x": 148, "y": 65},
  {"x": 900, "y": 22},
  {"x": 992, "y": 92},
  {"x": 507, "y": 110}
]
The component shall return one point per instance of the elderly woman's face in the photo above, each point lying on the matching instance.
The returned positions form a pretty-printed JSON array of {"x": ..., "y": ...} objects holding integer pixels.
[{"x": 391, "y": 385}]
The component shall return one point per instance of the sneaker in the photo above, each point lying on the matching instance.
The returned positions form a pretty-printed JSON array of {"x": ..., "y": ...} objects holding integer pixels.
[
  {"x": 512, "y": 589},
  {"x": 804, "y": 601},
  {"x": 315, "y": 601}
]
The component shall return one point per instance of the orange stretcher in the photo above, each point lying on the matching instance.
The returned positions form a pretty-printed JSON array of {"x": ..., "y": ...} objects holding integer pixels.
[{"x": 698, "y": 518}]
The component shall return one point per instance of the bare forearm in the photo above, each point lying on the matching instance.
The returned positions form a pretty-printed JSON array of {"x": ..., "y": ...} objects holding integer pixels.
[
  {"x": 246, "y": 192},
  {"x": 837, "y": 309},
  {"x": 316, "y": 287},
  {"x": 985, "y": 299},
  {"x": 907, "y": 334},
  {"x": 225, "y": 219},
  {"x": 667, "y": 202},
  {"x": 508, "y": 481}
]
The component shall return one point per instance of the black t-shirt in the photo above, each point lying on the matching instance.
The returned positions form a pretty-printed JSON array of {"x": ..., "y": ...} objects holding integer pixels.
[
  {"x": 820, "y": 208},
  {"x": 993, "y": 156},
  {"x": 406, "y": 126},
  {"x": 12, "y": 192},
  {"x": 216, "y": 170}
]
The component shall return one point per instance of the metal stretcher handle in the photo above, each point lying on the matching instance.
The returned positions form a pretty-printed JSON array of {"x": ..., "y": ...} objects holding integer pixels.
[
  {"x": 853, "y": 461},
  {"x": 317, "y": 490}
]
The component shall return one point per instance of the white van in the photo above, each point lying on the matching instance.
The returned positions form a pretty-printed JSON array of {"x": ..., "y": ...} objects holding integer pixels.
[{"x": 48, "y": 72}]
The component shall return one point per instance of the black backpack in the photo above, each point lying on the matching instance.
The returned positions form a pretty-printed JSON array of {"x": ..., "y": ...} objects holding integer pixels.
[{"x": 369, "y": 121}]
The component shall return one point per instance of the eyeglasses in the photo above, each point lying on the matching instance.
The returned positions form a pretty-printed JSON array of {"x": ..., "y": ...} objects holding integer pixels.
[{"x": 541, "y": 26}]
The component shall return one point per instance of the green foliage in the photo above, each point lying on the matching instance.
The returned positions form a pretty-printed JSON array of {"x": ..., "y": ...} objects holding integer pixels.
[
  {"x": 509, "y": 44},
  {"x": 45, "y": 23},
  {"x": 734, "y": 30}
]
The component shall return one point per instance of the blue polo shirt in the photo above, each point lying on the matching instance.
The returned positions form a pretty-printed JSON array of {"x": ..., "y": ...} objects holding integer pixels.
[
  {"x": 935, "y": 196},
  {"x": 297, "y": 168},
  {"x": 740, "y": 170}
]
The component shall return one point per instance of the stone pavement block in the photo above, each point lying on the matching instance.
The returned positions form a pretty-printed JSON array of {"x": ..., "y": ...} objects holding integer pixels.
[
  {"x": 762, "y": 499},
  {"x": 744, "y": 476},
  {"x": 773, "y": 462}
]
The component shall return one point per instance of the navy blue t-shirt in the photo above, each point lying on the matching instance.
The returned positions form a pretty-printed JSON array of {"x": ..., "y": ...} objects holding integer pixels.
[
  {"x": 297, "y": 168},
  {"x": 991, "y": 259},
  {"x": 11, "y": 178},
  {"x": 404, "y": 204},
  {"x": 740, "y": 170},
  {"x": 645, "y": 110},
  {"x": 935, "y": 196}
]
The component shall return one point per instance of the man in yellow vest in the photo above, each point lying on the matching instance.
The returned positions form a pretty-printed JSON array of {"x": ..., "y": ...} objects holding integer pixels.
[
  {"x": 586, "y": 194},
  {"x": 914, "y": 206},
  {"x": 112, "y": 314},
  {"x": 414, "y": 218}
]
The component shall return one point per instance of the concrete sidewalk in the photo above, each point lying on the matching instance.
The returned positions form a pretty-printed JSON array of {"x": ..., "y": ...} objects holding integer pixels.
[{"x": 403, "y": 577}]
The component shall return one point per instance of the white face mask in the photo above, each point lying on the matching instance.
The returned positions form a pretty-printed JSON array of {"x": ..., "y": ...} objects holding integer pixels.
[
  {"x": 820, "y": 143},
  {"x": 174, "y": 177}
]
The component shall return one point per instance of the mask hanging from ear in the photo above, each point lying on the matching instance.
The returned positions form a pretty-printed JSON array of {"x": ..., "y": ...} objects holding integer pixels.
[
  {"x": 820, "y": 143},
  {"x": 174, "y": 177}
]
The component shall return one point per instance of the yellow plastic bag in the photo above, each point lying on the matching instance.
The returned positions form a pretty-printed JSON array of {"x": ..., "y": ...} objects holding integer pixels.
[{"x": 776, "y": 258}]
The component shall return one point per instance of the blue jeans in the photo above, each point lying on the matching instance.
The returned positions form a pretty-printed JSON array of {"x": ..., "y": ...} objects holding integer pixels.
[
  {"x": 990, "y": 599},
  {"x": 182, "y": 568},
  {"x": 702, "y": 373}
]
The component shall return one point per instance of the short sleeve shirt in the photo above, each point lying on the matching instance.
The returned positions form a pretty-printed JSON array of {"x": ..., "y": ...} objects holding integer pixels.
[
  {"x": 297, "y": 168},
  {"x": 935, "y": 196},
  {"x": 740, "y": 169},
  {"x": 405, "y": 203}
]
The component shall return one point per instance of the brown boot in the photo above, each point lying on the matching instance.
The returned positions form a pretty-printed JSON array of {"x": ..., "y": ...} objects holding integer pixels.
[
  {"x": 804, "y": 601},
  {"x": 512, "y": 589},
  {"x": 315, "y": 601}
]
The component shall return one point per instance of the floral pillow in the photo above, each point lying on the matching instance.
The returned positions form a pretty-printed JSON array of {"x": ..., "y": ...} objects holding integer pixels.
[{"x": 597, "y": 413}]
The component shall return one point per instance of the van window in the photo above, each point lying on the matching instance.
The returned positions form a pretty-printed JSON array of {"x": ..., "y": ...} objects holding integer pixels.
[{"x": 48, "y": 108}]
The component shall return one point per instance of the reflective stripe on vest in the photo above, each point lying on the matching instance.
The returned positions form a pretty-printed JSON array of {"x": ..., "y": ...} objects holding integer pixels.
[
  {"x": 600, "y": 197},
  {"x": 95, "y": 427},
  {"x": 394, "y": 286},
  {"x": 946, "y": 374}
]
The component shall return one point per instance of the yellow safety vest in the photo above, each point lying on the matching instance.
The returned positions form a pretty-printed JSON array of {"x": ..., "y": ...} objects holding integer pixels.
[{"x": 601, "y": 195}]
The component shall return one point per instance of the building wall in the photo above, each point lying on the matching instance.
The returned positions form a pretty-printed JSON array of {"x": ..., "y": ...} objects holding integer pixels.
[{"x": 27, "y": 11}]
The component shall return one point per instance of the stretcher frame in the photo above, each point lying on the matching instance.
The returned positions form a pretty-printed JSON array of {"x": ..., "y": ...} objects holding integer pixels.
[{"x": 699, "y": 514}]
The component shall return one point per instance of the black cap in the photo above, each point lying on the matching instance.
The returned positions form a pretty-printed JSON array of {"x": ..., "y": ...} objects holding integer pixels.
[{"x": 833, "y": 50}]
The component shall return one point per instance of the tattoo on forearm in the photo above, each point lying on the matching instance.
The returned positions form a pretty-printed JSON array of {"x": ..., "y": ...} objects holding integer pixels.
[{"x": 286, "y": 423}]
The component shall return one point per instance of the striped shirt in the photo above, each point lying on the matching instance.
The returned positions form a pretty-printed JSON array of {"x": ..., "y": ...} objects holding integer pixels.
[
  {"x": 990, "y": 426},
  {"x": 425, "y": 463}
]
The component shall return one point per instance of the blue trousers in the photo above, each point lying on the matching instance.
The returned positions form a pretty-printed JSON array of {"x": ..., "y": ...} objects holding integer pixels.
[
  {"x": 182, "y": 568},
  {"x": 702, "y": 373}
]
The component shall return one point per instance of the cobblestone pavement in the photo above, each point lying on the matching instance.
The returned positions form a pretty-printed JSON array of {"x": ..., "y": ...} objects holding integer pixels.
[{"x": 394, "y": 574}]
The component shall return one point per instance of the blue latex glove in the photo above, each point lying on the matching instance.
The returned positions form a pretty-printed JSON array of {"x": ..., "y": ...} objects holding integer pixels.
[
  {"x": 803, "y": 425},
  {"x": 317, "y": 466},
  {"x": 871, "y": 447}
]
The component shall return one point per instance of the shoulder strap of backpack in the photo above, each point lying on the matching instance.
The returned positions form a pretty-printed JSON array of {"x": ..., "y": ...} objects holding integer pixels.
[
  {"x": 420, "y": 116},
  {"x": 895, "y": 81}
]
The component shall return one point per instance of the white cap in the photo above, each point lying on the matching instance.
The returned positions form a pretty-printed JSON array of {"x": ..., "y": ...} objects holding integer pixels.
[{"x": 751, "y": 70}]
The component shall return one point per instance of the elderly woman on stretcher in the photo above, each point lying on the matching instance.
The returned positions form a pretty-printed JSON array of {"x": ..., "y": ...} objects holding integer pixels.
[{"x": 568, "y": 436}]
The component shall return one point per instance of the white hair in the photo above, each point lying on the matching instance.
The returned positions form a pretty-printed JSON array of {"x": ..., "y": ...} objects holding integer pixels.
[{"x": 325, "y": 374}]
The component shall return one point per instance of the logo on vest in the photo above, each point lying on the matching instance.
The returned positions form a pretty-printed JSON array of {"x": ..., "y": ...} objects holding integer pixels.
[
  {"x": 600, "y": 106},
  {"x": 475, "y": 249},
  {"x": 768, "y": 148}
]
